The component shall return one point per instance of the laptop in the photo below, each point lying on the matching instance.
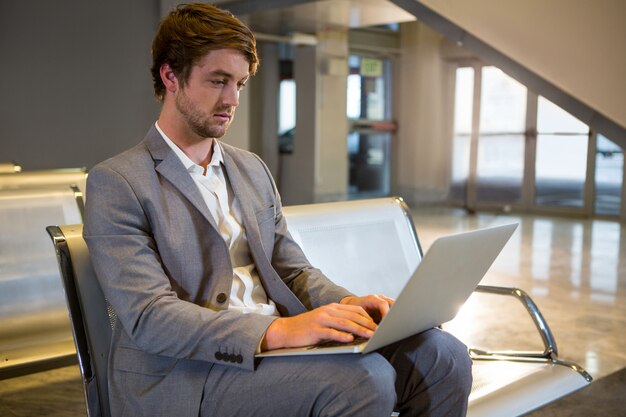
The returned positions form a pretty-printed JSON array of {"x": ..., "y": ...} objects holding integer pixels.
[{"x": 444, "y": 279}]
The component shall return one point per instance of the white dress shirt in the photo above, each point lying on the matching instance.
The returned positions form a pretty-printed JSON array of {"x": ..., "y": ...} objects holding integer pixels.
[{"x": 247, "y": 293}]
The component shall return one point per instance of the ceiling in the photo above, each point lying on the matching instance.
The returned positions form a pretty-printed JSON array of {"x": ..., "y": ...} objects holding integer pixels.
[{"x": 281, "y": 17}]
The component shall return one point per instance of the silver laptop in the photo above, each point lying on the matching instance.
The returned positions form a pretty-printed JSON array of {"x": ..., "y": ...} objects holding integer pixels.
[{"x": 442, "y": 282}]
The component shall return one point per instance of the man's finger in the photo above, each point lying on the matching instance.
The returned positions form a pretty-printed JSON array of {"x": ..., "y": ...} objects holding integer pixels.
[{"x": 348, "y": 322}]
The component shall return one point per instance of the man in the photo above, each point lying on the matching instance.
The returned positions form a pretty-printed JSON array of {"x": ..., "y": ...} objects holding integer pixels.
[{"x": 191, "y": 249}]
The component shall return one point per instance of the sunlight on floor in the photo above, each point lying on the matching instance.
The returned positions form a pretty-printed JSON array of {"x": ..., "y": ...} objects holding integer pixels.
[{"x": 574, "y": 269}]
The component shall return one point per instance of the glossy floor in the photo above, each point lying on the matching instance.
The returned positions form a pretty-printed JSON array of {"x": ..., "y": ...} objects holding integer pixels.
[{"x": 574, "y": 270}]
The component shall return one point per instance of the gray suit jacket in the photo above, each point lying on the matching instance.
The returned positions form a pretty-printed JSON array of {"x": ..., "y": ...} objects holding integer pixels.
[{"x": 166, "y": 272}]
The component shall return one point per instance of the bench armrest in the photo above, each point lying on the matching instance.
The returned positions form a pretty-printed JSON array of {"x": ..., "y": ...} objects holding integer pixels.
[{"x": 550, "y": 350}]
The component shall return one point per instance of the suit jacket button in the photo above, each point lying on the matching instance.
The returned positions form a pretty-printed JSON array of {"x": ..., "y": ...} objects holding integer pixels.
[
  {"x": 232, "y": 358},
  {"x": 221, "y": 297},
  {"x": 218, "y": 356},
  {"x": 239, "y": 359}
]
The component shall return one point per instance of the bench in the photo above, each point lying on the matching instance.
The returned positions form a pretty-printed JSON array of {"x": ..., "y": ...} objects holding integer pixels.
[
  {"x": 357, "y": 243},
  {"x": 35, "y": 333},
  {"x": 371, "y": 246}
]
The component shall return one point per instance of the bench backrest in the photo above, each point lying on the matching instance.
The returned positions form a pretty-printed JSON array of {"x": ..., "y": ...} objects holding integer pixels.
[
  {"x": 45, "y": 179},
  {"x": 29, "y": 277},
  {"x": 367, "y": 246}
]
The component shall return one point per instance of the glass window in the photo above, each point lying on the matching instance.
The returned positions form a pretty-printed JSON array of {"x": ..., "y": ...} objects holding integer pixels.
[
  {"x": 368, "y": 89},
  {"x": 287, "y": 106},
  {"x": 354, "y": 96},
  {"x": 463, "y": 107},
  {"x": 500, "y": 165},
  {"x": 609, "y": 177},
  {"x": 560, "y": 153},
  {"x": 286, "y": 115},
  {"x": 503, "y": 106},
  {"x": 561, "y": 160},
  {"x": 369, "y": 141}
]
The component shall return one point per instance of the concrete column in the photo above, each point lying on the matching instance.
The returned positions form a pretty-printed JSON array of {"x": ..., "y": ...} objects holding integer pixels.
[
  {"x": 423, "y": 148},
  {"x": 264, "y": 108},
  {"x": 331, "y": 179},
  {"x": 297, "y": 179},
  {"x": 318, "y": 168},
  {"x": 238, "y": 133}
]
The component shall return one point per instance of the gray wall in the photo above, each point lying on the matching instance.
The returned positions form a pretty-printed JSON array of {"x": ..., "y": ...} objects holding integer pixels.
[{"x": 74, "y": 80}]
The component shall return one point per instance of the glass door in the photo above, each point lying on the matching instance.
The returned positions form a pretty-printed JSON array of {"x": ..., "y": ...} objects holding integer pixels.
[
  {"x": 609, "y": 178},
  {"x": 461, "y": 145},
  {"x": 371, "y": 127},
  {"x": 500, "y": 162},
  {"x": 489, "y": 142},
  {"x": 513, "y": 149},
  {"x": 561, "y": 157}
]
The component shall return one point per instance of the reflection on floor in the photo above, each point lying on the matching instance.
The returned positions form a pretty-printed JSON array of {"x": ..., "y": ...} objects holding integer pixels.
[
  {"x": 57, "y": 393},
  {"x": 575, "y": 270}
]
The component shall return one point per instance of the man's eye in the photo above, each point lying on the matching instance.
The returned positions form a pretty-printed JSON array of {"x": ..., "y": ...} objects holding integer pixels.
[
  {"x": 218, "y": 82},
  {"x": 241, "y": 85}
]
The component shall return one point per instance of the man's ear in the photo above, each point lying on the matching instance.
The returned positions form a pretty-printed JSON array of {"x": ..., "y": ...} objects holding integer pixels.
[{"x": 169, "y": 78}]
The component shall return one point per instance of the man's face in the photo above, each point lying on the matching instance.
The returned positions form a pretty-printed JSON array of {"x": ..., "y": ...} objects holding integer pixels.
[{"x": 208, "y": 100}]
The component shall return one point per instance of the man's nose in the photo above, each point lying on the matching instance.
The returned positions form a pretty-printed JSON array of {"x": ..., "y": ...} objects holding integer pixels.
[{"x": 230, "y": 96}]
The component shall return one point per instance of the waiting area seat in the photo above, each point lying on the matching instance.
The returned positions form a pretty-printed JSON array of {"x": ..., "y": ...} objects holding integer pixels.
[
  {"x": 368, "y": 246},
  {"x": 371, "y": 246},
  {"x": 35, "y": 333}
]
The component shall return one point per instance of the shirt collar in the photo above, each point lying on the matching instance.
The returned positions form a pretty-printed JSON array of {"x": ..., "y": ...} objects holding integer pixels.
[{"x": 216, "y": 159}]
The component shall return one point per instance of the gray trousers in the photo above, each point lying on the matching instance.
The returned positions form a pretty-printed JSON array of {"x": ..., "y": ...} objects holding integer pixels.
[{"x": 425, "y": 375}]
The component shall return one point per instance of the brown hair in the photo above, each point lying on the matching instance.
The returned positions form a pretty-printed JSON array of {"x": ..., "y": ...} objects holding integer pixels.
[{"x": 191, "y": 31}]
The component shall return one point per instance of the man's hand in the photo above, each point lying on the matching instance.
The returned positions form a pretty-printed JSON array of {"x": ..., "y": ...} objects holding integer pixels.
[
  {"x": 340, "y": 322},
  {"x": 376, "y": 305}
]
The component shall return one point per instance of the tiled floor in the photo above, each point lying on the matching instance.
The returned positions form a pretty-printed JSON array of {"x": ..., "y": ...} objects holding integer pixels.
[
  {"x": 56, "y": 393},
  {"x": 575, "y": 270}
]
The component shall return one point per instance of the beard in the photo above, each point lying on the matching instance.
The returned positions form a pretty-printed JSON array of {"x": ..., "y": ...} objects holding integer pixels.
[{"x": 202, "y": 124}]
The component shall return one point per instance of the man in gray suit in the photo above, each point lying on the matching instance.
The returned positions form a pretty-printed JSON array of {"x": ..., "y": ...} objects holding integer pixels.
[{"x": 192, "y": 252}]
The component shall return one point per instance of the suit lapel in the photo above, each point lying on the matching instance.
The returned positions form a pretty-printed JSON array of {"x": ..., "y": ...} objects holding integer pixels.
[
  {"x": 169, "y": 166},
  {"x": 288, "y": 304}
]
